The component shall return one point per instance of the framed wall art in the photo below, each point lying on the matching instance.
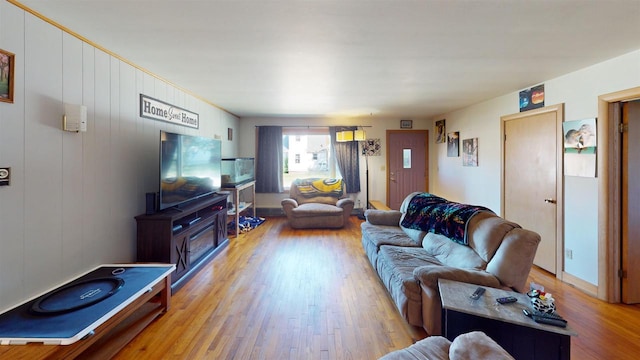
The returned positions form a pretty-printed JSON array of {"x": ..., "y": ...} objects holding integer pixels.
[
  {"x": 441, "y": 131},
  {"x": 406, "y": 124},
  {"x": 7, "y": 60},
  {"x": 470, "y": 152},
  {"x": 453, "y": 144}
]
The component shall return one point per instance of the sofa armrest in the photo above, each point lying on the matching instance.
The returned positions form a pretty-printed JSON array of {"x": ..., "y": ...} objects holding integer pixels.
[
  {"x": 429, "y": 275},
  {"x": 383, "y": 217},
  {"x": 288, "y": 205},
  {"x": 343, "y": 203}
]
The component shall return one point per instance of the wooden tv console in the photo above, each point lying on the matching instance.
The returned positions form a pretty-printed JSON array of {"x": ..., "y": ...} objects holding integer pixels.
[{"x": 188, "y": 237}]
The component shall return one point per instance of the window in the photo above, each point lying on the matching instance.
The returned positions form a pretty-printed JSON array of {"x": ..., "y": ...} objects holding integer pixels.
[{"x": 307, "y": 153}]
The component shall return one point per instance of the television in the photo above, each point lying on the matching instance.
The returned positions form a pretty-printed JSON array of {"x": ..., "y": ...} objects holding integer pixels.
[{"x": 190, "y": 168}]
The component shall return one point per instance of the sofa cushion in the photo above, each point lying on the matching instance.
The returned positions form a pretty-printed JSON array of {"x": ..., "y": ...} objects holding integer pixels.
[
  {"x": 452, "y": 254},
  {"x": 513, "y": 259},
  {"x": 316, "y": 209},
  {"x": 432, "y": 348},
  {"x": 428, "y": 275},
  {"x": 383, "y": 217},
  {"x": 476, "y": 345},
  {"x": 385, "y": 235},
  {"x": 415, "y": 235},
  {"x": 395, "y": 267},
  {"x": 485, "y": 233}
]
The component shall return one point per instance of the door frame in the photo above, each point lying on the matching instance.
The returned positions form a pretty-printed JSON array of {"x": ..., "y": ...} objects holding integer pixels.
[
  {"x": 609, "y": 194},
  {"x": 559, "y": 110}
]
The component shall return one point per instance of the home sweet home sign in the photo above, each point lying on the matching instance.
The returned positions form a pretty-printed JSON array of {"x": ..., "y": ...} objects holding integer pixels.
[{"x": 155, "y": 109}]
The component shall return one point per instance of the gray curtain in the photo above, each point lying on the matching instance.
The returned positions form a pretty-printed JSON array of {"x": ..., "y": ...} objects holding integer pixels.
[
  {"x": 348, "y": 159},
  {"x": 269, "y": 160}
]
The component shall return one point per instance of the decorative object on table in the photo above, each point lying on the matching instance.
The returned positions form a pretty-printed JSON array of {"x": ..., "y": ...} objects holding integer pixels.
[
  {"x": 406, "y": 124},
  {"x": 7, "y": 61},
  {"x": 541, "y": 301},
  {"x": 441, "y": 131}
]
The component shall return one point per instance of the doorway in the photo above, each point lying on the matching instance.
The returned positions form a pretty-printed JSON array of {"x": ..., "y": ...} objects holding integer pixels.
[
  {"x": 610, "y": 215},
  {"x": 532, "y": 179},
  {"x": 407, "y": 164}
]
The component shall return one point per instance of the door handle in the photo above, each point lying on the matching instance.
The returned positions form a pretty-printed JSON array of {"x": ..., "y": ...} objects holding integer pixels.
[{"x": 549, "y": 201}]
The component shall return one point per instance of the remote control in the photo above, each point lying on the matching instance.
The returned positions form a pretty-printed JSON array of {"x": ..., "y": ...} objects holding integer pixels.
[
  {"x": 476, "y": 294},
  {"x": 553, "y": 315},
  {"x": 549, "y": 321},
  {"x": 506, "y": 300}
]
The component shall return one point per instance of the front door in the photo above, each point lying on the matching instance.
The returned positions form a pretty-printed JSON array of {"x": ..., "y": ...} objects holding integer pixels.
[
  {"x": 531, "y": 169},
  {"x": 631, "y": 203},
  {"x": 407, "y": 164}
]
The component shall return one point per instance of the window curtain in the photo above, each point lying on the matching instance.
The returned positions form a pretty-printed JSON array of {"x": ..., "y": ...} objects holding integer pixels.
[
  {"x": 269, "y": 160},
  {"x": 347, "y": 158}
]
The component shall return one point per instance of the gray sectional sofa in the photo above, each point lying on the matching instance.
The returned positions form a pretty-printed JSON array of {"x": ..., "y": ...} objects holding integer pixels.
[{"x": 409, "y": 261}]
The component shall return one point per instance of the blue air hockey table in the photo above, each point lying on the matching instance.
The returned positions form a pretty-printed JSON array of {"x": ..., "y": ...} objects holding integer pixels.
[{"x": 81, "y": 313}]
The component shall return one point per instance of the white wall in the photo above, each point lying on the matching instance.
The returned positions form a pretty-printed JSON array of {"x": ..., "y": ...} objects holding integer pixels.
[
  {"x": 579, "y": 92},
  {"x": 377, "y": 164},
  {"x": 73, "y": 196}
]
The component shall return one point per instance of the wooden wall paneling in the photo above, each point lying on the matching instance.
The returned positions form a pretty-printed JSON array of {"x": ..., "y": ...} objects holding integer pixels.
[
  {"x": 12, "y": 134},
  {"x": 129, "y": 195},
  {"x": 90, "y": 191},
  {"x": 117, "y": 168},
  {"x": 72, "y": 165},
  {"x": 42, "y": 152},
  {"x": 103, "y": 147}
]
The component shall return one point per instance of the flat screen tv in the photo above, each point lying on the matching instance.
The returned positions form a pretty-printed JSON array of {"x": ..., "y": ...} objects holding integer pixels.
[{"x": 190, "y": 168}]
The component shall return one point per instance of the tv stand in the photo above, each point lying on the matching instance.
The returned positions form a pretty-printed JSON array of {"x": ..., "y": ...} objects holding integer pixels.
[{"x": 188, "y": 237}]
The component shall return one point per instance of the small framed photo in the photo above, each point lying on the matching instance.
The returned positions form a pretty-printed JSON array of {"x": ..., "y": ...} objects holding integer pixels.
[
  {"x": 7, "y": 60},
  {"x": 406, "y": 124},
  {"x": 229, "y": 134}
]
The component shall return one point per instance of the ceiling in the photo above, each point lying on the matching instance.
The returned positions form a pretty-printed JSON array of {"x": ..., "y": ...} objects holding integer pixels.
[{"x": 390, "y": 59}]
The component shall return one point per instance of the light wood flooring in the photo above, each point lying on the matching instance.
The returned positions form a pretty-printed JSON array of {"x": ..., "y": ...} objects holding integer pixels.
[{"x": 279, "y": 293}]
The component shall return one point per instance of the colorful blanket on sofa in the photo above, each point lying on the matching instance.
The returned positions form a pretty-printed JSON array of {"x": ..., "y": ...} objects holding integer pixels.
[
  {"x": 320, "y": 187},
  {"x": 427, "y": 212}
]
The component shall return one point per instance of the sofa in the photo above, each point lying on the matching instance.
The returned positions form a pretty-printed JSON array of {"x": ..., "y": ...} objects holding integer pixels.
[
  {"x": 317, "y": 203},
  {"x": 472, "y": 345},
  {"x": 484, "y": 249}
]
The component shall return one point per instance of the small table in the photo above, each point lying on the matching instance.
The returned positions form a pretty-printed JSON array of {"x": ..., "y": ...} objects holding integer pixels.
[{"x": 518, "y": 334}]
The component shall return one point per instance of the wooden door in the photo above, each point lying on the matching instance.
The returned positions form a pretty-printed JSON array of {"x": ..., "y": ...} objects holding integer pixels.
[
  {"x": 407, "y": 164},
  {"x": 531, "y": 170},
  {"x": 630, "y": 247}
]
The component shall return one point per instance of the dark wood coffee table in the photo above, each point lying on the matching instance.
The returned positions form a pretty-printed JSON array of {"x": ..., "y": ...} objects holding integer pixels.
[{"x": 522, "y": 337}]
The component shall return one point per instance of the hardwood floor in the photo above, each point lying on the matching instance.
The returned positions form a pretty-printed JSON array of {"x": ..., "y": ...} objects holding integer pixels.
[{"x": 279, "y": 293}]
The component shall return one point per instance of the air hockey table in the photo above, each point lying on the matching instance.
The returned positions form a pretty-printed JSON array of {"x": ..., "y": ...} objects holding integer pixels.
[{"x": 85, "y": 312}]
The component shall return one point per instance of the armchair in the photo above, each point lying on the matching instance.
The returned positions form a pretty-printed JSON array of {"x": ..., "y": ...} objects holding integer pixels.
[{"x": 317, "y": 203}]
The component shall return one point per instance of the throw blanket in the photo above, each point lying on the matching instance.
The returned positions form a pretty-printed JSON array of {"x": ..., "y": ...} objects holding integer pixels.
[
  {"x": 319, "y": 187},
  {"x": 427, "y": 212}
]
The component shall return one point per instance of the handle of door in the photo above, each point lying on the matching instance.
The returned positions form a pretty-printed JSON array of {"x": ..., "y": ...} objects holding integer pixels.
[{"x": 549, "y": 201}]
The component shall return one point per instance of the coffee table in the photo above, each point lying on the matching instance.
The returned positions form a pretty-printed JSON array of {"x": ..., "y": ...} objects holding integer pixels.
[{"x": 518, "y": 334}]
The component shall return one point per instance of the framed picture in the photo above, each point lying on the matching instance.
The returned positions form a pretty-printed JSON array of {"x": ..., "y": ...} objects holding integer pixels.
[
  {"x": 406, "y": 124},
  {"x": 229, "y": 134},
  {"x": 6, "y": 76},
  {"x": 441, "y": 133},
  {"x": 453, "y": 144},
  {"x": 470, "y": 152}
]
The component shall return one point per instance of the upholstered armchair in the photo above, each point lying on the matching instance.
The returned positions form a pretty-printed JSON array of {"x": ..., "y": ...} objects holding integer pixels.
[{"x": 317, "y": 203}]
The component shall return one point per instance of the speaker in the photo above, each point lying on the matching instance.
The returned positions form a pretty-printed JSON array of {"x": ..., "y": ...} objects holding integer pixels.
[{"x": 151, "y": 203}]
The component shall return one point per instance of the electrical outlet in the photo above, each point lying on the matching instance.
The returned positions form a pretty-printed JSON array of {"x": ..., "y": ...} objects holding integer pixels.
[
  {"x": 568, "y": 253},
  {"x": 5, "y": 176}
]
